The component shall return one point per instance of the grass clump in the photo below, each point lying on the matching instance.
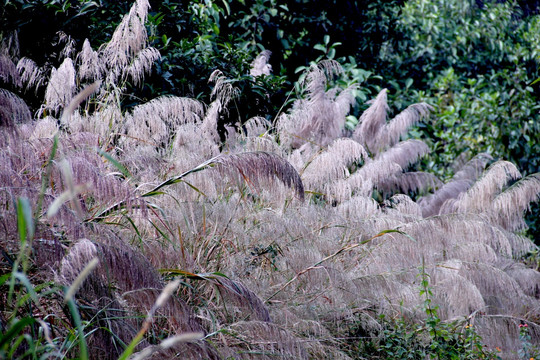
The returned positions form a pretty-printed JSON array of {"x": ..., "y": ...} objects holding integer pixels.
[{"x": 278, "y": 235}]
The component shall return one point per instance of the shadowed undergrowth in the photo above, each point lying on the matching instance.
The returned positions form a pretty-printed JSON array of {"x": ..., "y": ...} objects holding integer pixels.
[{"x": 296, "y": 238}]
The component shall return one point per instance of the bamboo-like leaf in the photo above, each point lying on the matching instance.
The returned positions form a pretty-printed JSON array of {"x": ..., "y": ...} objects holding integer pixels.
[
  {"x": 251, "y": 166},
  {"x": 115, "y": 163}
]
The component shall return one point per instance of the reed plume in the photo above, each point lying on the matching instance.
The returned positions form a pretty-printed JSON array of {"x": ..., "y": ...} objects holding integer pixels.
[
  {"x": 376, "y": 134},
  {"x": 260, "y": 65},
  {"x": 320, "y": 117}
]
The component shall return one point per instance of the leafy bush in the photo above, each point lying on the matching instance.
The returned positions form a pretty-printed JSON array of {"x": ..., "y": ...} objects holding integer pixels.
[
  {"x": 475, "y": 62},
  {"x": 431, "y": 338}
]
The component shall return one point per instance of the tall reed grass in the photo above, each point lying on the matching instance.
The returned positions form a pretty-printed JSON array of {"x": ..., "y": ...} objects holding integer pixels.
[{"x": 285, "y": 239}]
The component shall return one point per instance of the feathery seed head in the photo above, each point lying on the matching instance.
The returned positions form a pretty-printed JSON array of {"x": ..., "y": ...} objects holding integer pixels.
[
  {"x": 32, "y": 76},
  {"x": 223, "y": 90},
  {"x": 260, "y": 65},
  {"x": 8, "y": 70},
  {"x": 129, "y": 38},
  {"x": 61, "y": 87},
  {"x": 90, "y": 67}
]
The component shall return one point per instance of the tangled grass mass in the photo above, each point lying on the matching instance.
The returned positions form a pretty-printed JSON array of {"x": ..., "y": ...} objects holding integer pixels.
[{"x": 147, "y": 233}]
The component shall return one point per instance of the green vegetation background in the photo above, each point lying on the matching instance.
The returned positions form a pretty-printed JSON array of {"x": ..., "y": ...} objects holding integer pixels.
[{"x": 475, "y": 61}]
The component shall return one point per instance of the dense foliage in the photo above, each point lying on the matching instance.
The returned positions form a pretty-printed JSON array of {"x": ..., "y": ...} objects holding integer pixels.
[{"x": 476, "y": 63}]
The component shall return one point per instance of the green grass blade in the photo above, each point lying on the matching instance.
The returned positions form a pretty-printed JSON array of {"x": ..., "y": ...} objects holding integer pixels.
[
  {"x": 14, "y": 329},
  {"x": 152, "y": 193},
  {"x": 25, "y": 221},
  {"x": 103, "y": 214},
  {"x": 115, "y": 163},
  {"x": 83, "y": 348},
  {"x": 131, "y": 347},
  {"x": 24, "y": 280}
]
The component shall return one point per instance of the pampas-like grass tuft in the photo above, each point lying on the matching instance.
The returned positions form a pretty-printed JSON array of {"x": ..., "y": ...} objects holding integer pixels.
[
  {"x": 128, "y": 270},
  {"x": 320, "y": 117},
  {"x": 68, "y": 42},
  {"x": 32, "y": 76},
  {"x": 124, "y": 284},
  {"x": 460, "y": 182},
  {"x": 508, "y": 207},
  {"x": 260, "y": 65},
  {"x": 263, "y": 276},
  {"x": 502, "y": 331},
  {"x": 141, "y": 64},
  {"x": 265, "y": 339},
  {"x": 223, "y": 90},
  {"x": 90, "y": 67},
  {"x": 376, "y": 134},
  {"x": 372, "y": 120},
  {"x": 404, "y": 153},
  {"x": 13, "y": 109},
  {"x": 241, "y": 296},
  {"x": 332, "y": 164},
  {"x": 8, "y": 70},
  {"x": 157, "y": 120},
  {"x": 400, "y": 124},
  {"x": 256, "y": 167},
  {"x": 127, "y": 41},
  {"x": 418, "y": 182},
  {"x": 480, "y": 195},
  {"x": 61, "y": 87}
]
